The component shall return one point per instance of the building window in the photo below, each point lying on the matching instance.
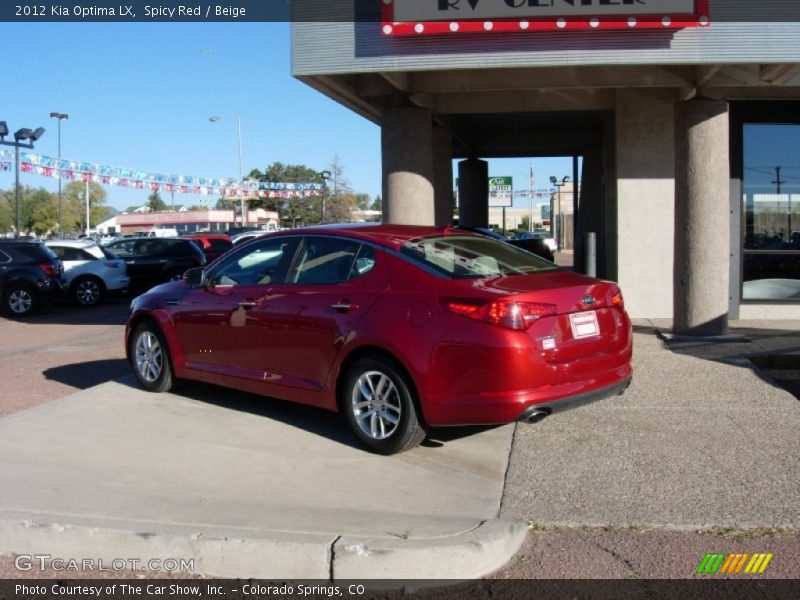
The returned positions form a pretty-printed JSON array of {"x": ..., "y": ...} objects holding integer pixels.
[{"x": 771, "y": 212}]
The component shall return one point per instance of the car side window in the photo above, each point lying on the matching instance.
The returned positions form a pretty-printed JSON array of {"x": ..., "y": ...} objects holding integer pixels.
[
  {"x": 59, "y": 251},
  {"x": 82, "y": 254},
  {"x": 325, "y": 261},
  {"x": 261, "y": 263},
  {"x": 364, "y": 263},
  {"x": 124, "y": 249}
]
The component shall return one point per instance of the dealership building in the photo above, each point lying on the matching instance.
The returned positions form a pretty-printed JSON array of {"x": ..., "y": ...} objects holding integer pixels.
[{"x": 684, "y": 116}]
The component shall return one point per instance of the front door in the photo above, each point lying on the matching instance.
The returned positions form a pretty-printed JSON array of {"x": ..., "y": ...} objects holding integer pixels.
[{"x": 218, "y": 324}]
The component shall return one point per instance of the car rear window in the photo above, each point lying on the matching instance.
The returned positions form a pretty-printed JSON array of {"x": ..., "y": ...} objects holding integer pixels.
[
  {"x": 220, "y": 245},
  {"x": 473, "y": 257}
]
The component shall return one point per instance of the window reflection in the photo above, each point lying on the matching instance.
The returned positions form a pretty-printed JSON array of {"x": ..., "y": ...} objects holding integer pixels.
[{"x": 771, "y": 262}]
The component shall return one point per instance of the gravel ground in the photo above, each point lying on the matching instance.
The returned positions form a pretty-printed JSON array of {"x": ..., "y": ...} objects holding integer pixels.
[{"x": 58, "y": 350}]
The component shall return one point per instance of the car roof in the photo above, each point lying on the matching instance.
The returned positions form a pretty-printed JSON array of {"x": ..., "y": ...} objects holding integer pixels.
[
  {"x": 392, "y": 236},
  {"x": 71, "y": 243}
]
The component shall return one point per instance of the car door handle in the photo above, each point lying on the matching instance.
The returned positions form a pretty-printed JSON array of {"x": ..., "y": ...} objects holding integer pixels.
[
  {"x": 343, "y": 306},
  {"x": 172, "y": 302},
  {"x": 246, "y": 304}
]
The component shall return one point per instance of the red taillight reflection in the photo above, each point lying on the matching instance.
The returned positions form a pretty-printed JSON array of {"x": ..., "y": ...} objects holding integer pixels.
[
  {"x": 510, "y": 314},
  {"x": 49, "y": 269},
  {"x": 616, "y": 300}
]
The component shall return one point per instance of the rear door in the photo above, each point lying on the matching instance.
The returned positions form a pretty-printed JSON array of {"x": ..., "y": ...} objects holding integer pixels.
[{"x": 305, "y": 322}]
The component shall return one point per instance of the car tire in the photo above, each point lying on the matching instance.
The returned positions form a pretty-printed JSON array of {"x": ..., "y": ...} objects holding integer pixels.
[
  {"x": 20, "y": 300},
  {"x": 87, "y": 291},
  {"x": 380, "y": 404},
  {"x": 150, "y": 358}
]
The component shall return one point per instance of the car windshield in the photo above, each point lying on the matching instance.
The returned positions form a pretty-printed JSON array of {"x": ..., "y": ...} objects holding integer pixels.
[{"x": 472, "y": 257}]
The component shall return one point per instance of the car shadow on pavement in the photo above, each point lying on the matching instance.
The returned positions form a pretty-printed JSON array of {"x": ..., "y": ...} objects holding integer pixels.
[
  {"x": 773, "y": 354},
  {"x": 87, "y": 374},
  {"x": 317, "y": 421},
  {"x": 113, "y": 311}
]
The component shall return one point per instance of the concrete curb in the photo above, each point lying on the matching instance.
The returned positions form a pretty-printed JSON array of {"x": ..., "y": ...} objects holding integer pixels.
[
  {"x": 468, "y": 555},
  {"x": 278, "y": 555}
]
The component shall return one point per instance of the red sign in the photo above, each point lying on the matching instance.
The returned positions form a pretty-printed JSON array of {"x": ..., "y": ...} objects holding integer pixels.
[{"x": 431, "y": 17}]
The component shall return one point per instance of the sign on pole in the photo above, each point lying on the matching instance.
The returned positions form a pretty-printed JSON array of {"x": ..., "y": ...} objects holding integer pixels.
[{"x": 501, "y": 191}]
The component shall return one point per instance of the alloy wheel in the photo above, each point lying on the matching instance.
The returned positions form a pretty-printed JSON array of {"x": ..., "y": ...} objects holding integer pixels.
[
  {"x": 376, "y": 405},
  {"x": 20, "y": 301},
  {"x": 149, "y": 357},
  {"x": 87, "y": 292}
]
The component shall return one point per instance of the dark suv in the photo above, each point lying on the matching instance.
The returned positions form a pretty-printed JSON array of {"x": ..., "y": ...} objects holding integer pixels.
[
  {"x": 151, "y": 261},
  {"x": 30, "y": 275}
]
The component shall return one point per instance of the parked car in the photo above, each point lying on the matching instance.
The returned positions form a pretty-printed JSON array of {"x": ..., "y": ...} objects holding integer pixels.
[
  {"x": 536, "y": 235},
  {"x": 213, "y": 245},
  {"x": 151, "y": 261},
  {"x": 91, "y": 271},
  {"x": 246, "y": 236},
  {"x": 156, "y": 232},
  {"x": 399, "y": 328},
  {"x": 531, "y": 244},
  {"x": 30, "y": 275}
]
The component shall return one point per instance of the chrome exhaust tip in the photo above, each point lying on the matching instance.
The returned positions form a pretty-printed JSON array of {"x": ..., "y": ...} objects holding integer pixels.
[{"x": 536, "y": 415}]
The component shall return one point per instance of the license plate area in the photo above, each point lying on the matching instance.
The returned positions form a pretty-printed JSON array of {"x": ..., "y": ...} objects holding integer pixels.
[{"x": 584, "y": 325}]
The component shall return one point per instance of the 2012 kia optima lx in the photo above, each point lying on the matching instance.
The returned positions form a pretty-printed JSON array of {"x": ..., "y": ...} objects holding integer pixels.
[{"x": 397, "y": 327}]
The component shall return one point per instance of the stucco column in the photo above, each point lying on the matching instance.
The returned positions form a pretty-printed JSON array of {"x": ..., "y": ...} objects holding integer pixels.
[
  {"x": 407, "y": 152},
  {"x": 442, "y": 175},
  {"x": 473, "y": 193},
  {"x": 702, "y": 220}
]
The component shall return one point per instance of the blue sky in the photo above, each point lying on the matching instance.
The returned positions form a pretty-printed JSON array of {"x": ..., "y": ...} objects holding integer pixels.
[{"x": 140, "y": 95}]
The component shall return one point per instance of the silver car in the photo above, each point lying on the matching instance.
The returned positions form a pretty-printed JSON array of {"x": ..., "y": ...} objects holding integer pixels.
[{"x": 91, "y": 271}]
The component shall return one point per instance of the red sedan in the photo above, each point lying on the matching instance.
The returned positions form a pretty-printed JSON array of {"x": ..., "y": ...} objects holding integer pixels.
[{"x": 399, "y": 328}]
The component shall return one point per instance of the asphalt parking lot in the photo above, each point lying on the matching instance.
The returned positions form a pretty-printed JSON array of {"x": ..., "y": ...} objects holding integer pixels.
[{"x": 699, "y": 455}]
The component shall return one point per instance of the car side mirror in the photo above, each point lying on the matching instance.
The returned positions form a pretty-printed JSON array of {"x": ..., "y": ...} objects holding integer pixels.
[{"x": 195, "y": 277}]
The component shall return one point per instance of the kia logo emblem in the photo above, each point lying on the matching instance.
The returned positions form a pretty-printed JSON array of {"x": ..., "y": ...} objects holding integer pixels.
[{"x": 587, "y": 299}]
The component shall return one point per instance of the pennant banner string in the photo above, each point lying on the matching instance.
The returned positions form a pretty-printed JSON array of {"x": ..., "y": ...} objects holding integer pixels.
[{"x": 47, "y": 166}]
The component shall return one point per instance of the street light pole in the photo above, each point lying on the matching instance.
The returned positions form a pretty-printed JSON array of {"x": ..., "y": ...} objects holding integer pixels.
[
  {"x": 239, "y": 142},
  {"x": 20, "y": 136},
  {"x": 60, "y": 117},
  {"x": 241, "y": 180},
  {"x": 86, "y": 197}
]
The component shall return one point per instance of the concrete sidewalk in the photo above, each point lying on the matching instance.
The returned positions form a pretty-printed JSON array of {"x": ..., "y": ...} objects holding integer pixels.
[{"x": 247, "y": 487}]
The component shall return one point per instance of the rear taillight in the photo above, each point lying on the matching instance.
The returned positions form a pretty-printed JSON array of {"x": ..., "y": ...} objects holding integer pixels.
[
  {"x": 510, "y": 314},
  {"x": 49, "y": 269},
  {"x": 616, "y": 300}
]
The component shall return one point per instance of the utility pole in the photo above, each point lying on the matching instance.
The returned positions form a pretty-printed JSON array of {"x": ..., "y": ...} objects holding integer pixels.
[
  {"x": 86, "y": 194},
  {"x": 778, "y": 181}
]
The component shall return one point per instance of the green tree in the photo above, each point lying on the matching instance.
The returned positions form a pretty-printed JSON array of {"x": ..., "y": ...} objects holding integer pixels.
[
  {"x": 363, "y": 201},
  {"x": 73, "y": 208},
  {"x": 339, "y": 200},
  {"x": 155, "y": 202},
  {"x": 378, "y": 204},
  {"x": 6, "y": 214},
  {"x": 292, "y": 211}
]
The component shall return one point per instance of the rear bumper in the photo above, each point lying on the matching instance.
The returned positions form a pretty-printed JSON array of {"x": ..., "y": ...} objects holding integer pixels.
[
  {"x": 570, "y": 402},
  {"x": 489, "y": 408}
]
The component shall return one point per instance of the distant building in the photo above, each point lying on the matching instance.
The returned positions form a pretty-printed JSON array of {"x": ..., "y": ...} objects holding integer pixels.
[{"x": 188, "y": 221}]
